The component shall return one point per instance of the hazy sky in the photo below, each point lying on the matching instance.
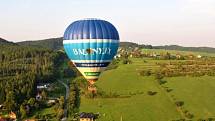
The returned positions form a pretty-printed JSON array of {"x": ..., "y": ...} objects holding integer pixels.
[{"x": 156, "y": 22}]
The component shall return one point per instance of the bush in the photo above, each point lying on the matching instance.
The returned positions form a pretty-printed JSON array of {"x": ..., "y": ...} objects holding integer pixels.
[
  {"x": 159, "y": 76},
  {"x": 161, "y": 81},
  {"x": 189, "y": 115},
  {"x": 179, "y": 103},
  {"x": 127, "y": 61},
  {"x": 103, "y": 94},
  {"x": 179, "y": 120},
  {"x": 208, "y": 119},
  {"x": 169, "y": 90},
  {"x": 113, "y": 64},
  {"x": 111, "y": 67},
  {"x": 144, "y": 61},
  {"x": 151, "y": 93},
  {"x": 145, "y": 73},
  {"x": 132, "y": 93},
  {"x": 68, "y": 72},
  {"x": 201, "y": 119}
]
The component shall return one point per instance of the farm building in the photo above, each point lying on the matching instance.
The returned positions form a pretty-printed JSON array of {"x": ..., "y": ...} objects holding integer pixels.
[{"x": 87, "y": 116}]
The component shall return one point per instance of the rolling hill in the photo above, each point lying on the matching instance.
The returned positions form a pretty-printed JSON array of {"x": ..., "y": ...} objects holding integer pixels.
[
  {"x": 56, "y": 44},
  {"x": 5, "y": 42},
  {"x": 52, "y": 43},
  {"x": 176, "y": 47}
]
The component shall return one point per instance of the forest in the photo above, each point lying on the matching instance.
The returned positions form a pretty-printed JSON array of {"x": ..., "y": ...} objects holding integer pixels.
[{"x": 21, "y": 68}]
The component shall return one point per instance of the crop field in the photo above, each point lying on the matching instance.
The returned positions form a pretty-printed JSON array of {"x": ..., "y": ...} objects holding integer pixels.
[{"x": 135, "y": 104}]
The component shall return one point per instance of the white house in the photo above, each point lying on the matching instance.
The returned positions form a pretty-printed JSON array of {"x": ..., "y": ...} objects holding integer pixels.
[
  {"x": 44, "y": 86},
  {"x": 199, "y": 56}
]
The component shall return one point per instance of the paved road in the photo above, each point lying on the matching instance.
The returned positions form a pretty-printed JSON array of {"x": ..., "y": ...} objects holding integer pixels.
[{"x": 66, "y": 97}]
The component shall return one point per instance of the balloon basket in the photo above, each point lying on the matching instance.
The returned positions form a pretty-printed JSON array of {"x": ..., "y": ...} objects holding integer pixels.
[{"x": 92, "y": 89}]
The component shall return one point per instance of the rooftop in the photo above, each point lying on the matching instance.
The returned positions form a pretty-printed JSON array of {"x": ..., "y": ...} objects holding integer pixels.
[{"x": 87, "y": 115}]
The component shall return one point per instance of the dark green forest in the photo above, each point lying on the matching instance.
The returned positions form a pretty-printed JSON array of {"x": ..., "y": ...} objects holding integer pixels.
[{"x": 21, "y": 68}]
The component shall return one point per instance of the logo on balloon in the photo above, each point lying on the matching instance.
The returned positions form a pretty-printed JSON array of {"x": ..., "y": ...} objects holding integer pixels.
[
  {"x": 89, "y": 51},
  {"x": 92, "y": 51}
]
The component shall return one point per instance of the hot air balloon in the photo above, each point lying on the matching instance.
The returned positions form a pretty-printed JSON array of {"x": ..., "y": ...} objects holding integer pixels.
[{"x": 91, "y": 45}]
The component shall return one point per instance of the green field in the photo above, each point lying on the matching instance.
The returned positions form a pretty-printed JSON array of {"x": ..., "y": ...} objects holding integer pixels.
[
  {"x": 159, "y": 51},
  {"x": 196, "y": 92},
  {"x": 125, "y": 80}
]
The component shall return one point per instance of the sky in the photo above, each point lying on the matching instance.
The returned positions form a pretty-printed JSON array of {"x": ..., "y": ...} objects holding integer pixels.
[{"x": 155, "y": 22}]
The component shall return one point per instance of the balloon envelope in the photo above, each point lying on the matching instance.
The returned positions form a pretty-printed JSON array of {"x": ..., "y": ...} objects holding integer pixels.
[{"x": 91, "y": 44}]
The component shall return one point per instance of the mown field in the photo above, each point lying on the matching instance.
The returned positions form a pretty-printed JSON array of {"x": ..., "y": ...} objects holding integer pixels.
[{"x": 196, "y": 93}]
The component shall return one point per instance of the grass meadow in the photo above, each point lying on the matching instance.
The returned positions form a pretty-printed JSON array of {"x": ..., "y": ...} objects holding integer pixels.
[{"x": 196, "y": 93}]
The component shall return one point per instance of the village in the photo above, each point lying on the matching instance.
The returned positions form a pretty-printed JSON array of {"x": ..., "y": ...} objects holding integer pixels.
[{"x": 43, "y": 97}]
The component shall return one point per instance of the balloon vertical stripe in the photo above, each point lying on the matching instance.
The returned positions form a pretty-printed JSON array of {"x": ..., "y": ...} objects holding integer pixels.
[{"x": 91, "y": 44}]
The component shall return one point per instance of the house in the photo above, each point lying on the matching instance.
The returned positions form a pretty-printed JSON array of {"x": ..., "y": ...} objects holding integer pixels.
[
  {"x": 30, "y": 120},
  {"x": 131, "y": 55},
  {"x": 87, "y": 116},
  {"x": 51, "y": 101},
  {"x": 38, "y": 97},
  {"x": 199, "y": 56},
  {"x": 12, "y": 115},
  {"x": 117, "y": 56},
  {"x": 44, "y": 86},
  {"x": 178, "y": 56},
  {"x": 191, "y": 56}
]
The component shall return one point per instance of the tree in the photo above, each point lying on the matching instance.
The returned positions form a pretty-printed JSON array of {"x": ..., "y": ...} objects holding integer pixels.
[
  {"x": 145, "y": 73},
  {"x": 167, "y": 56},
  {"x": 10, "y": 101},
  {"x": 20, "y": 69},
  {"x": 159, "y": 75},
  {"x": 2, "y": 96},
  {"x": 31, "y": 102},
  {"x": 74, "y": 99},
  {"x": 61, "y": 102},
  {"x": 60, "y": 114},
  {"x": 127, "y": 61},
  {"x": 23, "y": 111},
  {"x": 44, "y": 95}
]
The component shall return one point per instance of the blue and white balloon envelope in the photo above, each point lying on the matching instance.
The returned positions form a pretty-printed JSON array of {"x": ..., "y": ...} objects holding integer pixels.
[{"x": 91, "y": 45}]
